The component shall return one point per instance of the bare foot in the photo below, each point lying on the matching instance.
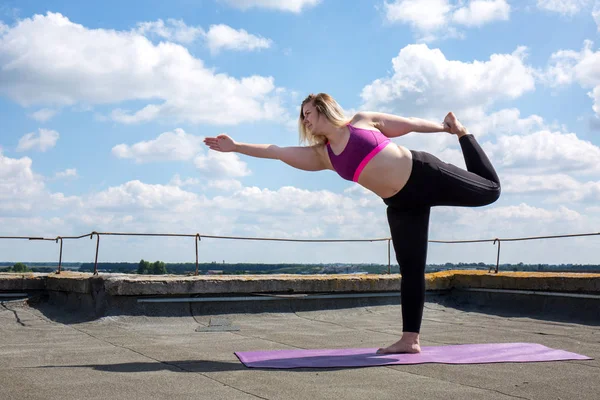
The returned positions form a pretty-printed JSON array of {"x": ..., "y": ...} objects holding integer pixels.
[
  {"x": 408, "y": 344},
  {"x": 453, "y": 125}
]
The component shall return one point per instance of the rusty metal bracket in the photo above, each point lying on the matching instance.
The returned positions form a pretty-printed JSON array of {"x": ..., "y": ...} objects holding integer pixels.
[
  {"x": 60, "y": 254},
  {"x": 497, "y": 256},
  {"x": 196, "y": 241},
  {"x": 97, "y": 246},
  {"x": 389, "y": 258}
]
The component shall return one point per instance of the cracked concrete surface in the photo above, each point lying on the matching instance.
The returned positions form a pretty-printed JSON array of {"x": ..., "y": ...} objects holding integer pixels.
[{"x": 141, "y": 357}]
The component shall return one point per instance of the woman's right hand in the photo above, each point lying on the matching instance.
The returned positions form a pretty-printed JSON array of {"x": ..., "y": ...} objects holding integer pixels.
[{"x": 222, "y": 143}]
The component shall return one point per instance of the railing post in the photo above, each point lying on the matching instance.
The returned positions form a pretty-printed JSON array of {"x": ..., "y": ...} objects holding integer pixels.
[
  {"x": 389, "y": 258},
  {"x": 60, "y": 254},
  {"x": 97, "y": 246},
  {"x": 196, "y": 241},
  {"x": 497, "y": 255}
]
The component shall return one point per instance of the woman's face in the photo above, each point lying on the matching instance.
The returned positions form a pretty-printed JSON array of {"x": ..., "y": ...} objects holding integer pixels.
[{"x": 311, "y": 118}]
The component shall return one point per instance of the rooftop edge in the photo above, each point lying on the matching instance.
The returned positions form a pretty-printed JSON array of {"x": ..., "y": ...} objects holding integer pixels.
[{"x": 140, "y": 285}]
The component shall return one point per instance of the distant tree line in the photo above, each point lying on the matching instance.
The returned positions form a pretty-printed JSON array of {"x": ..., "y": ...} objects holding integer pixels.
[
  {"x": 159, "y": 268},
  {"x": 21, "y": 267}
]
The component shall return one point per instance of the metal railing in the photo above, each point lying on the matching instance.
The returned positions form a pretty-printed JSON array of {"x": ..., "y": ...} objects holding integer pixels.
[{"x": 199, "y": 236}]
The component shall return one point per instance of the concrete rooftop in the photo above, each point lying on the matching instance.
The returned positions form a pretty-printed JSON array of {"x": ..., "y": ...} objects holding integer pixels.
[{"x": 48, "y": 352}]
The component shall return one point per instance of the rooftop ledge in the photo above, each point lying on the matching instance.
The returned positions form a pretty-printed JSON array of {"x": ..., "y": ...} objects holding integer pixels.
[{"x": 152, "y": 285}]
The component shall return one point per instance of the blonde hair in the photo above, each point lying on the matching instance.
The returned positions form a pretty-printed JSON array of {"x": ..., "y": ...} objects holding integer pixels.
[{"x": 325, "y": 105}]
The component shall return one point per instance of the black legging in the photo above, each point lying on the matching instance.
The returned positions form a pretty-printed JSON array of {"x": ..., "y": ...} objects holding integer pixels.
[{"x": 433, "y": 182}]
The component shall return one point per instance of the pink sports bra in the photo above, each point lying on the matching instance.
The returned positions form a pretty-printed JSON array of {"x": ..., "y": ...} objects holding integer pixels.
[{"x": 362, "y": 146}]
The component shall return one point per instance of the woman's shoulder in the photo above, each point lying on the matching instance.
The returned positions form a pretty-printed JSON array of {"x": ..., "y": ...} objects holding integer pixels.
[
  {"x": 363, "y": 116},
  {"x": 363, "y": 119}
]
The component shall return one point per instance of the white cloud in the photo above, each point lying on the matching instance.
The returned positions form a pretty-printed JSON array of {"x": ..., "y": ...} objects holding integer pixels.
[
  {"x": 481, "y": 12},
  {"x": 514, "y": 221},
  {"x": 43, "y": 115},
  {"x": 135, "y": 194},
  {"x": 303, "y": 213},
  {"x": 27, "y": 225},
  {"x": 568, "y": 66},
  {"x": 503, "y": 122},
  {"x": 423, "y": 78},
  {"x": 526, "y": 213},
  {"x": 248, "y": 211},
  {"x": 146, "y": 114},
  {"x": 104, "y": 220},
  {"x": 425, "y": 15},
  {"x": 595, "y": 95},
  {"x": 287, "y": 212},
  {"x": 17, "y": 180},
  {"x": 555, "y": 188},
  {"x": 22, "y": 192},
  {"x": 567, "y": 7},
  {"x": 52, "y": 61},
  {"x": 3, "y": 27},
  {"x": 218, "y": 164},
  {"x": 59, "y": 200},
  {"x": 219, "y": 37},
  {"x": 227, "y": 185},
  {"x": 224, "y": 37},
  {"x": 287, "y": 199},
  {"x": 141, "y": 207},
  {"x": 44, "y": 140},
  {"x": 168, "y": 146},
  {"x": 434, "y": 18},
  {"x": 560, "y": 70},
  {"x": 546, "y": 152},
  {"x": 538, "y": 184},
  {"x": 174, "y": 30},
  {"x": 596, "y": 14},
  {"x": 481, "y": 123},
  {"x": 67, "y": 173},
  {"x": 588, "y": 192},
  {"x": 295, "y": 6},
  {"x": 177, "y": 181}
]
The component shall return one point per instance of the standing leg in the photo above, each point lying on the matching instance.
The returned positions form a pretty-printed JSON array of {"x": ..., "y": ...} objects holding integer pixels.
[{"x": 409, "y": 229}]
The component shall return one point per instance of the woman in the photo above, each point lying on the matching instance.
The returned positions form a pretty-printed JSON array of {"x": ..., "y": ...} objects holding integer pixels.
[{"x": 410, "y": 182}]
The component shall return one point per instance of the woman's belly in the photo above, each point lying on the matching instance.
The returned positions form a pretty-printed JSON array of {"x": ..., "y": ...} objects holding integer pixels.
[{"x": 387, "y": 173}]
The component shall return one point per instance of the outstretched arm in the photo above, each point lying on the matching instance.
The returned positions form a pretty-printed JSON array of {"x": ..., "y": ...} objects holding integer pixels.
[
  {"x": 304, "y": 158},
  {"x": 393, "y": 125}
]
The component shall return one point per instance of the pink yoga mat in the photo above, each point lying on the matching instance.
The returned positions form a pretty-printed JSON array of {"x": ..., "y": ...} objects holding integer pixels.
[{"x": 453, "y": 354}]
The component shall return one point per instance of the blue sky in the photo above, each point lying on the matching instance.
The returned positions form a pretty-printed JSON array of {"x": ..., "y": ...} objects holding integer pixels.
[{"x": 104, "y": 107}]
